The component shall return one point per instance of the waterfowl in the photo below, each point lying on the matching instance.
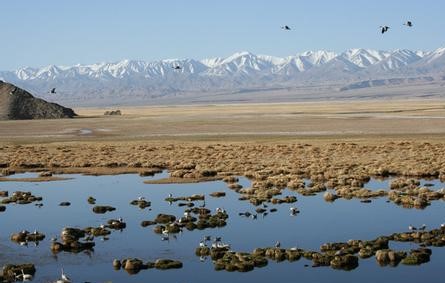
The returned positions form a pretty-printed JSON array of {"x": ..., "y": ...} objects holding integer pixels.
[
  {"x": 293, "y": 210},
  {"x": 412, "y": 228},
  {"x": 423, "y": 227},
  {"x": 26, "y": 277},
  {"x": 65, "y": 277},
  {"x": 277, "y": 244},
  {"x": 408, "y": 24},
  {"x": 286, "y": 27},
  {"x": 384, "y": 28},
  {"x": 207, "y": 238},
  {"x": 219, "y": 245},
  {"x": 220, "y": 210},
  {"x": 53, "y": 90}
]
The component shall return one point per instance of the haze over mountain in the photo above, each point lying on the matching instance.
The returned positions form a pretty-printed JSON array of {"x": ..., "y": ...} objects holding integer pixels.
[{"x": 134, "y": 82}]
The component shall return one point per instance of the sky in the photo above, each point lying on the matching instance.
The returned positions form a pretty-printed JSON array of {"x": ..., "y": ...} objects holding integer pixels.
[{"x": 44, "y": 32}]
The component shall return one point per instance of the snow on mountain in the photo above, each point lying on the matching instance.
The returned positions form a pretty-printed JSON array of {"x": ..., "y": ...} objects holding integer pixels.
[
  {"x": 241, "y": 63},
  {"x": 364, "y": 57},
  {"x": 317, "y": 58},
  {"x": 238, "y": 71},
  {"x": 435, "y": 55},
  {"x": 396, "y": 60}
]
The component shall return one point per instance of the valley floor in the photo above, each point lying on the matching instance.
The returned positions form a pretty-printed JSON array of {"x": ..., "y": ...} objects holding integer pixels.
[
  {"x": 404, "y": 138},
  {"x": 364, "y": 120}
]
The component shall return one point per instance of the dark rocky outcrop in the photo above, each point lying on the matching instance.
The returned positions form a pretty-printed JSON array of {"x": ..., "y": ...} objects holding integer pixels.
[
  {"x": 113, "y": 113},
  {"x": 18, "y": 104}
]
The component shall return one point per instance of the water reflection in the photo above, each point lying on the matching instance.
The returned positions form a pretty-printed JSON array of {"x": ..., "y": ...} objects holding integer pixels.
[{"x": 318, "y": 222}]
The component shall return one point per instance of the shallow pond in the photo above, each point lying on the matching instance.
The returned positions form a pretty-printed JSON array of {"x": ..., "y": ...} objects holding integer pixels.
[{"x": 319, "y": 222}]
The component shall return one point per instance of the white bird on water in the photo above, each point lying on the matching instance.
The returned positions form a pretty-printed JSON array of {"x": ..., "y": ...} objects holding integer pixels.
[
  {"x": 220, "y": 210},
  {"x": 65, "y": 277},
  {"x": 26, "y": 277}
]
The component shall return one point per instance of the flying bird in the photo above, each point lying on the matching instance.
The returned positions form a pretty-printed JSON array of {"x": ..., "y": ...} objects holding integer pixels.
[
  {"x": 408, "y": 24},
  {"x": 286, "y": 27},
  {"x": 384, "y": 28},
  {"x": 177, "y": 67},
  {"x": 53, "y": 90}
]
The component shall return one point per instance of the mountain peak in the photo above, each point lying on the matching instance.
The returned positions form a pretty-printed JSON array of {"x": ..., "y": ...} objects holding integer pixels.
[{"x": 240, "y": 70}]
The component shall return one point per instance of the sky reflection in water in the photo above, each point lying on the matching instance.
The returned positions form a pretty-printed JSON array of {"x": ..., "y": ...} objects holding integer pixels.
[{"x": 318, "y": 222}]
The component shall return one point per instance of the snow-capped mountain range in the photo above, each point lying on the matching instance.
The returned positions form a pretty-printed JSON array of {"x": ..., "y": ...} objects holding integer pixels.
[{"x": 146, "y": 80}]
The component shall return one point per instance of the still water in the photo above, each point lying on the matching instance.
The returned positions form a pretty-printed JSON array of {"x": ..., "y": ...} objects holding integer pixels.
[{"x": 319, "y": 222}]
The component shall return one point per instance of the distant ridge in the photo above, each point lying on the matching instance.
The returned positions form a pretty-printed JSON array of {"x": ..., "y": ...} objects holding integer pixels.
[
  {"x": 18, "y": 104},
  {"x": 131, "y": 80}
]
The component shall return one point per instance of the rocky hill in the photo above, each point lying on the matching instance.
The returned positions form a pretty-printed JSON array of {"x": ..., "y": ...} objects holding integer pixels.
[{"x": 18, "y": 104}]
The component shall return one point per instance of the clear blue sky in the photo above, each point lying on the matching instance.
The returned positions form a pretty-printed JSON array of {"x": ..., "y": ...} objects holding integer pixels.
[{"x": 43, "y": 32}]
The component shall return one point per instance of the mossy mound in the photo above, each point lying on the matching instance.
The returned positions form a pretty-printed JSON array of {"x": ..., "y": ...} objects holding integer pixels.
[
  {"x": 167, "y": 264},
  {"x": 101, "y": 209},
  {"x": 164, "y": 218},
  {"x": 20, "y": 197}
]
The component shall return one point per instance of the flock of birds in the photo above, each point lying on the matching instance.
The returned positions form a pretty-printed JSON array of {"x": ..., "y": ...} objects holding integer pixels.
[
  {"x": 28, "y": 277},
  {"x": 207, "y": 241},
  {"x": 386, "y": 28},
  {"x": 383, "y": 29}
]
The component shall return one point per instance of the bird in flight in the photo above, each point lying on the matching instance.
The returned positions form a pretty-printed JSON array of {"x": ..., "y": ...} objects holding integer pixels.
[
  {"x": 286, "y": 28},
  {"x": 177, "y": 67},
  {"x": 53, "y": 90},
  {"x": 408, "y": 24},
  {"x": 384, "y": 28}
]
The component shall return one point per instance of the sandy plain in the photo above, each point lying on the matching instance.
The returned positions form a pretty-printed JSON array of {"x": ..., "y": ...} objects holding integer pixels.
[{"x": 355, "y": 139}]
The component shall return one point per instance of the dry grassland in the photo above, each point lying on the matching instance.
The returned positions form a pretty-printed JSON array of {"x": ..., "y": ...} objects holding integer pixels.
[{"x": 337, "y": 145}]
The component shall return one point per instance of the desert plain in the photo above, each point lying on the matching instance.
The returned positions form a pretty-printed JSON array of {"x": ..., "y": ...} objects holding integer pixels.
[{"x": 400, "y": 137}]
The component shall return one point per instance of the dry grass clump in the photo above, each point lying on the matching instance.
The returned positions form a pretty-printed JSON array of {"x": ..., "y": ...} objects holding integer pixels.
[
  {"x": 408, "y": 193},
  {"x": 342, "y": 166}
]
